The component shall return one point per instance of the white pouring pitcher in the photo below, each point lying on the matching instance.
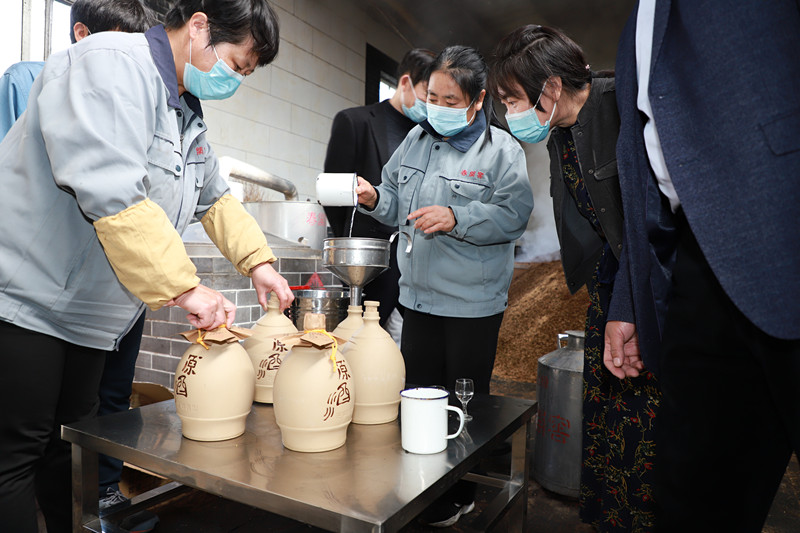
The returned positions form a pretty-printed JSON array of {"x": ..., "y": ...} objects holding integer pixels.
[
  {"x": 423, "y": 420},
  {"x": 337, "y": 189}
]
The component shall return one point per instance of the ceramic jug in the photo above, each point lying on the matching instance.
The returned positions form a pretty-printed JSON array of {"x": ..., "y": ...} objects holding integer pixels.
[
  {"x": 265, "y": 349},
  {"x": 314, "y": 392},
  {"x": 214, "y": 388},
  {"x": 351, "y": 324},
  {"x": 378, "y": 370}
]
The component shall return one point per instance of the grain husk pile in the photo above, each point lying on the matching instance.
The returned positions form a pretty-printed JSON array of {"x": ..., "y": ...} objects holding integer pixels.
[{"x": 539, "y": 308}]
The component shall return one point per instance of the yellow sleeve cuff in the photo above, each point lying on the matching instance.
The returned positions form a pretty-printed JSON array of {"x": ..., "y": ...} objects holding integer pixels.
[
  {"x": 146, "y": 253},
  {"x": 237, "y": 235}
]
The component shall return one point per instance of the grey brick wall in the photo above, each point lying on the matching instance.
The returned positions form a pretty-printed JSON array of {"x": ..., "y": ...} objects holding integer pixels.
[{"x": 162, "y": 346}]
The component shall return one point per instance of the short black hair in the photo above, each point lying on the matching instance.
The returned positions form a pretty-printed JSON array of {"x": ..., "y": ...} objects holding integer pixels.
[
  {"x": 417, "y": 64},
  {"x": 530, "y": 55},
  {"x": 233, "y": 21},
  {"x": 130, "y": 16}
]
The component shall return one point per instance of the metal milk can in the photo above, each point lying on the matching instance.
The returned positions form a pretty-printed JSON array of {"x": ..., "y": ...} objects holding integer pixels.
[{"x": 558, "y": 441}]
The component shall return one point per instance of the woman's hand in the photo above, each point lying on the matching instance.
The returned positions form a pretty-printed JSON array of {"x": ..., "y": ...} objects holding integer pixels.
[
  {"x": 433, "y": 218},
  {"x": 208, "y": 309},
  {"x": 366, "y": 193},
  {"x": 621, "y": 354},
  {"x": 265, "y": 280}
]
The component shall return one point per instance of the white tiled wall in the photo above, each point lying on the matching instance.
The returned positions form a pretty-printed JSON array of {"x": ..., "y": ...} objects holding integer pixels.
[{"x": 280, "y": 118}]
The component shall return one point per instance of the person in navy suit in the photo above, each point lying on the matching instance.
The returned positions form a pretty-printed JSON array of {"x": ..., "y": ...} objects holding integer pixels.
[{"x": 708, "y": 290}]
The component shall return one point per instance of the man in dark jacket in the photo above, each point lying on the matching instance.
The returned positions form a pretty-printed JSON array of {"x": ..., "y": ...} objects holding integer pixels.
[{"x": 362, "y": 141}]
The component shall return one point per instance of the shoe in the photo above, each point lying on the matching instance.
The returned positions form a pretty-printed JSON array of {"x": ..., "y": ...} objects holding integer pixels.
[
  {"x": 113, "y": 498},
  {"x": 445, "y": 514}
]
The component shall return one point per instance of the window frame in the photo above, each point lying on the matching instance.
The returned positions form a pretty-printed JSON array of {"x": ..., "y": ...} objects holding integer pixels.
[{"x": 379, "y": 67}]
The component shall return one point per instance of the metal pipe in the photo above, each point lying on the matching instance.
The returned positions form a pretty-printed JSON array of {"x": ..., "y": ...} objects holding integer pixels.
[{"x": 239, "y": 170}]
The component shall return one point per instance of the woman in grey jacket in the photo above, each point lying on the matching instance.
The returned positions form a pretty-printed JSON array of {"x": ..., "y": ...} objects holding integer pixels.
[
  {"x": 106, "y": 168},
  {"x": 542, "y": 78},
  {"x": 459, "y": 187}
]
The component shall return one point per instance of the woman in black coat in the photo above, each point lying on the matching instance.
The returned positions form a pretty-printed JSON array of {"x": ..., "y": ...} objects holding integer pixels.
[{"x": 543, "y": 79}]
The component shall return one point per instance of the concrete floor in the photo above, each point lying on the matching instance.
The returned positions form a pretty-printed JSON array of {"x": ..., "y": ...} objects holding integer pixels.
[{"x": 547, "y": 512}]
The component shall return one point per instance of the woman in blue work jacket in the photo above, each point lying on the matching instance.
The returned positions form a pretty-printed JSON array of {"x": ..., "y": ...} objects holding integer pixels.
[{"x": 458, "y": 186}]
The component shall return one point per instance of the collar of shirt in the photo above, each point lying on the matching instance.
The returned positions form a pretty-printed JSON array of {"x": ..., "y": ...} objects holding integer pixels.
[
  {"x": 162, "y": 57},
  {"x": 463, "y": 140}
]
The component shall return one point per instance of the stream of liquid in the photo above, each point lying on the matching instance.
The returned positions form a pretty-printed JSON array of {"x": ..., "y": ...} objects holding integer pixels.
[{"x": 352, "y": 219}]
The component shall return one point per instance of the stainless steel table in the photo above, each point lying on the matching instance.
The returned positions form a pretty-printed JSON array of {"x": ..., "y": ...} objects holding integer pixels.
[{"x": 369, "y": 484}]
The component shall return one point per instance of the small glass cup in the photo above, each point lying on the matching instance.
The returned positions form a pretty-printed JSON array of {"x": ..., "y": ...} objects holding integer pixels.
[{"x": 465, "y": 389}]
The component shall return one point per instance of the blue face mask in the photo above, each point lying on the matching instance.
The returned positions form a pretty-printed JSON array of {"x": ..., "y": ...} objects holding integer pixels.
[
  {"x": 418, "y": 112},
  {"x": 526, "y": 127},
  {"x": 217, "y": 84},
  {"x": 447, "y": 121}
]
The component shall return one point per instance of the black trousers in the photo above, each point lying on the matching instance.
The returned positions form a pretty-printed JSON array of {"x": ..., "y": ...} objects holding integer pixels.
[
  {"x": 44, "y": 382},
  {"x": 438, "y": 350},
  {"x": 115, "y": 395},
  {"x": 730, "y": 411}
]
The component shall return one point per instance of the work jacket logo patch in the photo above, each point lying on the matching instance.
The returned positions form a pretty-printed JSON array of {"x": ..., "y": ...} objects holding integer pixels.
[{"x": 472, "y": 174}]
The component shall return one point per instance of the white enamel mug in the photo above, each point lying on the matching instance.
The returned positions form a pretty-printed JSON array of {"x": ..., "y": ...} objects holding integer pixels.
[
  {"x": 423, "y": 420},
  {"x": 337, "y": 189}
]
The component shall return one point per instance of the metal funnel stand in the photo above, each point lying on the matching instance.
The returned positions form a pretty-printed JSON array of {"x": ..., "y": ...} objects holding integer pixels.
[{"x": 356, "y": 261}]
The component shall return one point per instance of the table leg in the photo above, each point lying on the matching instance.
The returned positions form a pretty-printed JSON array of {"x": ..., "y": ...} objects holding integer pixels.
[
  {"x": 85, "y": 504},
  {"x": 519, "y": 477},
  {"x": 508, "y": 510}
]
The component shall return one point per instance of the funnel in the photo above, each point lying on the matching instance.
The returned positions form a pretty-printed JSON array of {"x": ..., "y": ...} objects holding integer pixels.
[{"x": 356, "y": 261}]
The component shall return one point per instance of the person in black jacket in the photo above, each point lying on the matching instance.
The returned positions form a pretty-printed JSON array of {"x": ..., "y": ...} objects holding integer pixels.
[
  {"x": 542, "y": 78},
  {"x": 362, "y": 141}
]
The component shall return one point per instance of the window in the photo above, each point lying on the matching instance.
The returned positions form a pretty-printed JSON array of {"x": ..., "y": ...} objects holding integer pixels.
[
  {"x": 386, "y": 90},
  {"x": 37, "y": 28},
  {"x": 60, "y": 28},
  {"x": 11, "y": 37},
  {"x": 381, "y": 79}
]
